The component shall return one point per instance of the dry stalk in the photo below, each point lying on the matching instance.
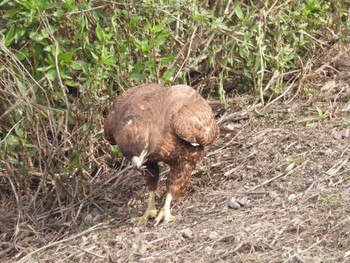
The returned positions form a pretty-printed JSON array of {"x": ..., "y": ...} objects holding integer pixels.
[
  {"x": 53, "y": 244},
  {"x": 278, "y": 176}
]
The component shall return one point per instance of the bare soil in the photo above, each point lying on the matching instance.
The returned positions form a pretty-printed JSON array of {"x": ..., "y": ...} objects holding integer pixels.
[{"x": 288, "y": 164}]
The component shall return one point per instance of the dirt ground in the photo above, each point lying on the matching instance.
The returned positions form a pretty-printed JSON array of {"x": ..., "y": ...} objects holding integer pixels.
[{"x": 285, "y": 169}]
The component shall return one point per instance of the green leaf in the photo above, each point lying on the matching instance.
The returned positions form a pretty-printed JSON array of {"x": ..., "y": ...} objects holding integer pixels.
[
  {"x": 65, "y": 57},
  {"x": 4, "y": 2},
  {"x": 83, "y": 87},
  {"x": 94, "y": 55},
  {"x": 72, "y": 83},
  {"x": 166, "y": 60},
  {"x": 77, "y": 65},
  {"x": 10, "y": 36},
  {"x": 36, "y": 36},
  {"x": 157, "y": 28},
  {"x": 43, "y": 69},
  {"x": 161, "y": 38},
  {"x": 58, "y": 13},
  {"x": 169, "y": 74},
  {"x": 22, "y": 54},
  {"x": 52, "y": 74},
  {"x": 143, "y": 45},
  {"x": 238, "y": 11},
  {"x": 44, "y": 32},
  {"x": 19, "y": 32},
  {"x": 74, "y": 161},
  {"x": 11, "y": 141},
  {"x": 99, "y": 32},
  {"x": 136, "y": 76},
  {"x": 32, "y": 153},
  {"x": 115, "y": 150},
  {"x": 19, "y": 132}
]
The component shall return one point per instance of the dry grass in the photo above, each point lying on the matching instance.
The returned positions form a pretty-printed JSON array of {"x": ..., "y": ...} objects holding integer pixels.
[{"x": 290, "y": 162}]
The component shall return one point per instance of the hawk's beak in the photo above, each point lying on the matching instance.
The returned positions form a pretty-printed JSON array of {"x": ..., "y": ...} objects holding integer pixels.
[{"x": 138, "y": 161}]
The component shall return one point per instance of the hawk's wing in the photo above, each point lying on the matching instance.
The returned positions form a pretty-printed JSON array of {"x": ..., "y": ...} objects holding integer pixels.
[{"x": 194, "y": 120}]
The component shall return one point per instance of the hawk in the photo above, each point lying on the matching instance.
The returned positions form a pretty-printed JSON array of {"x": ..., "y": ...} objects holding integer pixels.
[{"x": 151, "y": 124}]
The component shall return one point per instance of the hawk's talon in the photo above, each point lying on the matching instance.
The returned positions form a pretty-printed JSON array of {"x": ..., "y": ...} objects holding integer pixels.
[
  {"x": 164, "y": 216},
  {"x": 150, "y": 213}
]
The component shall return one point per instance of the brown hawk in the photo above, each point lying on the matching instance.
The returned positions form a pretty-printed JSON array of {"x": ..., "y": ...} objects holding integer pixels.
[{"x": 152, "y": 124}]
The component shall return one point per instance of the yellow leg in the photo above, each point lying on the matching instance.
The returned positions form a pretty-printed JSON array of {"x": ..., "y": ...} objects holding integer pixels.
[
  {"x": 151, "y": 210},
  {"x": 165, "y": 214}
]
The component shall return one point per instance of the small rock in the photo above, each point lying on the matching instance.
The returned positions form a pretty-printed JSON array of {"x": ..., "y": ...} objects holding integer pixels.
[
  {"x": 136, "y": 247},
  {"x": 337, "y": 135},
  {"x": 213, "y": 235},
  {"x": 292, "y": 197},
  {"x": 209, "y": 250},
  {"x": 95, "y": 211},
  {"x": 230, "y": 127},
  {"x": 308, "y": 182},
  {"x": 242, "y": 201},
  {"x": 232, "y": 203},
  {"x": 280, "y": 187},
  {"x": 187, "y": 233}
]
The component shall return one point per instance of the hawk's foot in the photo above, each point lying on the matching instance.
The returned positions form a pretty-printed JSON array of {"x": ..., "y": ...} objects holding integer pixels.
[
  {"x": 165, "y": 216},
  {"x": 150, "y": 213}
]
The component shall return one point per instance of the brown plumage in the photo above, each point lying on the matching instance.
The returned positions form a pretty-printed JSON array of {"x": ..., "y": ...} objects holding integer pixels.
[{"x": 151, "y": 124}]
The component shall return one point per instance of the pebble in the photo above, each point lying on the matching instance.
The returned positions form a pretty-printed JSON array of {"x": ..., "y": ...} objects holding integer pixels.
[
  {"x": 213, "y": 235},
  {"x": 209, "y": 250},
  {"x": 232, "y": 203},
  {"x": 95, "y": 211},
  {"x": 292, "y": 197},
  {"x": 308, "y": 182},
  {"x": 187, "y": 233},
  {"x": 337, "y": 135}
]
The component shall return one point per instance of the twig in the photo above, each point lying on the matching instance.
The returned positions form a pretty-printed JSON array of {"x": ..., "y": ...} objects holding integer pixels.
[
  {"x": 282, "y": 95},
  {"x": 277, "y": 176},
  {"x": 337, "y": 57},
  {"x": 91, "y": 253},
  {"x": 236, "y": 116},
  {"x": 9, "y": 132},
  {"x": 91, "y": 229},
  {"x": 10, "y": 247},
  {"x": 188, "y": 53},
  {"x": 305, "y": 250},
  {"x": 336, "y": 168}
]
